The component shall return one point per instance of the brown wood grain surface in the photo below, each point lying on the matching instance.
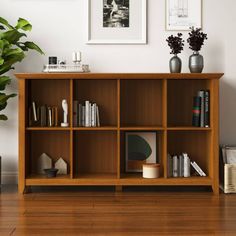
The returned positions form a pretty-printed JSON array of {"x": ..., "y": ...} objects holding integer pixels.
[{"x": 78, "y": 212}]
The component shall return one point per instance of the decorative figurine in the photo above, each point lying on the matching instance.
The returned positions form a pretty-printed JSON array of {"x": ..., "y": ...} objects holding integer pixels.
[
  {"x": 61, "y": 165},
  {"x": 65, "y": 109},
  {"x": 44, "y": 162}
]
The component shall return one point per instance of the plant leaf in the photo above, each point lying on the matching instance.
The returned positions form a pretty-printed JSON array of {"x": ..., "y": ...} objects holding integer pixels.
[
  {"x": 4, "y": 81},
  {"x": 3, "y": 117},
  {"x": 23, "y": 24},
  {"x": 5, "y": 22},
  {"x": 2, "y": 27},
  {"x": 4, "y": 98},
  {"x": 33, "y": 46},
  {"x": 8, "y": 52},
  {"x": 12, "y": 36},
  {"x": 1, "y": 61}
]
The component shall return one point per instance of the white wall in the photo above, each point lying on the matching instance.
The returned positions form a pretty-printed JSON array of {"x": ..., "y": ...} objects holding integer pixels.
[{"x": 59, "y": 28}]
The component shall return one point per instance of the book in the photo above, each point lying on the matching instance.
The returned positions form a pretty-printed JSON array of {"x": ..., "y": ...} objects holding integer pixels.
[
  {"x": 43, "y": 116},
  {"x": 196, "y": 111},
  {"x": 202, "y": 173},
  {"x": 169, "y": 165},
  {"x": 34, "y": 112},
  {"x": 98, "y": 118},
  {"x": 207, "y": 109},
  {"x": 175, "y": 166},
  {"x": 201, "y": 94},
  {"x": 87, "y": 112},
  {"x": 80, "y": 118},
  {"x": 181, "y": 166},
  {"x": 75, "y": 113},
  {"x": 186, "y": 165},
  {"x": 55, "y": 116},
  {"x": 83, "y": 117},
  {"x": 49, "y": 116},
  {"x": 93, "y": 116},
  {"x": 195, "y": 168}
]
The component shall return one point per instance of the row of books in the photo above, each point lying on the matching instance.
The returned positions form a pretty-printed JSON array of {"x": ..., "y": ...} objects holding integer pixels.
[
  {"x": 180, "y": 166},
  {"x": 86, "y": 115},
  {"x": 43, "y": 115},
  {"x": 201, "y": 109}
]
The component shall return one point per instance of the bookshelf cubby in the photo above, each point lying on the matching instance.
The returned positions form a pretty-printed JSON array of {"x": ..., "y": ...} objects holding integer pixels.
[{"x": 161, "y": 103}]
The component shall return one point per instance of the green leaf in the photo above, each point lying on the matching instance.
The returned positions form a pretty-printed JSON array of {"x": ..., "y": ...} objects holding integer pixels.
[
  {"x": 8, "y": 52},
  {"x": 2, "y": 27},
  {"x": 33, "y": 46},
  {"x": 12, "y": 36},
  {"x": 4, "y": 81},
  {"x": 1, "y": 61},
  {"x": 23, "y": 24},
  {"x": 3, "y": 117},
  {"x": 5, "y": 22},
  {"x": 4, "y": 98}
]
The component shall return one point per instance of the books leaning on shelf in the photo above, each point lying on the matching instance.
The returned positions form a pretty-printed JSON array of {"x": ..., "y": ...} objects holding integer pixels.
[
  {"x": 86, "y": 115},
  {"x": 201, "y": 109},
  {"x": 179, "y": 166},
  {"x": 44, "y": 116}
]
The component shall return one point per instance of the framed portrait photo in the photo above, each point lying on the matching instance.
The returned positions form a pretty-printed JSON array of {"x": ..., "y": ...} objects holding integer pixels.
[
  {"x": 140, "y": 148},
  {"x": 116, "y": 21},
  {"x": 183, "y": 14}
]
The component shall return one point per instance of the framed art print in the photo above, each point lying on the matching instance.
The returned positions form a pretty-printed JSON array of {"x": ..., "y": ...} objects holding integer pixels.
[
  {"x": 183, "y": 14},
  {"x": 140, "y": 148},
  {"x": 116, "y": 22}
]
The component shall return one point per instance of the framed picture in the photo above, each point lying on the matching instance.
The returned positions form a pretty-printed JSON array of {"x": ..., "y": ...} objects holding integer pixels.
[
  {"x": 116, "y": 21},
  {"x": 140, "y": 148},
  {"x": 183, "y": 14}
]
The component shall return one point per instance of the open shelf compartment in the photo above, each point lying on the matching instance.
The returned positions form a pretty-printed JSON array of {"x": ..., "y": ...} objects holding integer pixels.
[
  {"x": 141, "y": 103},
  {"x": 180, "y": 93},
  {"x": 56, "y": 144},
  {"x": 95, "y": 154},
  {"x": 197, "y": 144},
  {"x": 104, "y": 94}
]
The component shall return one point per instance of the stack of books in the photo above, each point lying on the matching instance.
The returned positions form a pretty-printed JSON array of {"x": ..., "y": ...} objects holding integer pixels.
[
  {"x": 44, "y": 116},
  {"x": 86, "y": 115},
  {"x": 201, "y": 109},
  {"x": 179, "y": 166}
]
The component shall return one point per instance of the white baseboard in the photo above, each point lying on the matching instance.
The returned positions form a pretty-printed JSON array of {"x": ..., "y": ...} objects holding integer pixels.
[{"x": 9, "y": 177}]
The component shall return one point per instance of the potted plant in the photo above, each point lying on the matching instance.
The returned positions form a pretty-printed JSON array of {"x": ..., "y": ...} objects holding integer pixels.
[
  {"x": 12, "y": 50},
  {"x": 196, "y": 41},
  {"x": 176, "y": 44}
]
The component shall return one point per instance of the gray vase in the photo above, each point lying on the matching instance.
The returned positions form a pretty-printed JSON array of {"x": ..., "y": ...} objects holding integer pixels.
[
  {"x": 175, "y": 64},
  {"x": 196, "y": 63}
]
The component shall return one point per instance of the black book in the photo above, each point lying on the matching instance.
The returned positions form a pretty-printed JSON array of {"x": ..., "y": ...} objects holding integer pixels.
[
  {"x": 207, "y": 109},
  {"x": 43, "y": 116},
  {"x": 196, "y": 111}
]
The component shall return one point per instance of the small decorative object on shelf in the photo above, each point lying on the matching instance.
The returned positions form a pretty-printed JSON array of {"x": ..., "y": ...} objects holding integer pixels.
[
  {"x": 151, "y": 171},
  {"x": 44, "y": 162},
  {"x": 61, "y": 165},
  {"x": 196, "y": 41},
  {"x": 65, "y": 115},
  {"x": 51, "y": 172},
  {"x": 176, "y": 44},
  {"x": 61, "y": 66}
]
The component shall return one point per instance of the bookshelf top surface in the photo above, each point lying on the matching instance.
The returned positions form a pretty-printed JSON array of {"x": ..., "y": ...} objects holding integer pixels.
[{"x": 118, "y": 75}]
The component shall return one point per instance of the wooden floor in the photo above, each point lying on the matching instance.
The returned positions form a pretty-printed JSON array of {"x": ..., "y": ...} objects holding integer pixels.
[{"x": 69, "y": 212}]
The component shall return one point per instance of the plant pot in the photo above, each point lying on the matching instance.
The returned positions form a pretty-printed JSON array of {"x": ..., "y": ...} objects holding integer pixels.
[
  {"x": 175, "y": 64},
  {"x": 196, "y": 63}
]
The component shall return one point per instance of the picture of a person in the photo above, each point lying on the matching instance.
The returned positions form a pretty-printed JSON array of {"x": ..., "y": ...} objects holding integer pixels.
[{"x": 114, "y": 8}]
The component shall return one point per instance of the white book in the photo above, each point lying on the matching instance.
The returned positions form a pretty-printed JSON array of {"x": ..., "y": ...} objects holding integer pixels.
[
  {"x": 186, "y": 165},
  {"x": 93, "y": 115},
  {"x": 83, "y": 116},
  {"x": 199, "y": 169},
  {"x": 175, "y": 166},
  {"x": 50, "y": 117},
  {"x": 87, "y": 111},
  {"x": 98, "y": 118},
  {"x": 195, "y": 168},
  {"x": 90, "y": 115},
  {"x": 34, "y": 111}
]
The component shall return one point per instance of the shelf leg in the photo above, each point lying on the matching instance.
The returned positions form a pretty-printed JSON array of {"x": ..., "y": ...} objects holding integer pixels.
[
  {"x": 119, "y": 188},
  {"x": 216, "y": 189}
]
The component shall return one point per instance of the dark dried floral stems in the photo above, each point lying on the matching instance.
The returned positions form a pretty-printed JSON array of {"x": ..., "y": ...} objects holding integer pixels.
[{"x": 175, "y": 43}]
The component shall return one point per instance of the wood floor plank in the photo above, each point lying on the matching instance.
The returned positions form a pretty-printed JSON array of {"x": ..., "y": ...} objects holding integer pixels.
[{"x": 111, "y": 213}]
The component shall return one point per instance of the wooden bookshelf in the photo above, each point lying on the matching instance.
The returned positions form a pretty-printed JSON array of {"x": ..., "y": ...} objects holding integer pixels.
[{"x": 127, "y": 102}]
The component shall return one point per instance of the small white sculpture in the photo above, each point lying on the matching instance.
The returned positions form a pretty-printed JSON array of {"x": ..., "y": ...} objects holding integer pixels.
[
  {"x": 44, "y": 162},
  {"x": 65, "y": 109},
  {"x": 61, "y": 165}
]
